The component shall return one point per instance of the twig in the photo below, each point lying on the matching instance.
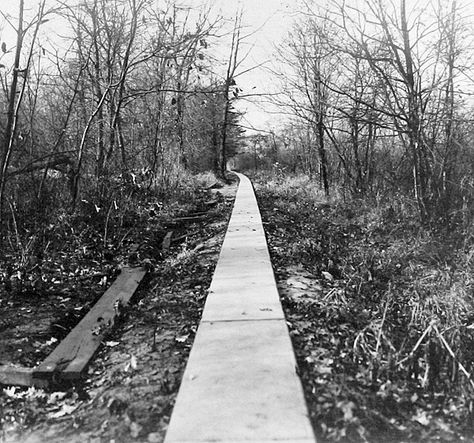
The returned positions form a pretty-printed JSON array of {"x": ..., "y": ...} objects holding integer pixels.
[
  {"x": 190, "y": 218},
  {"x": 15, "y": 226},
  {"x": 448, "y": 348},
  {"x": 124, "y": 237},
  {"x": 417, "y": 345},
  {"x": 106, "y": 230},
  {"x": 330, "y": 292},
  {"x": 379, "y": 336}
]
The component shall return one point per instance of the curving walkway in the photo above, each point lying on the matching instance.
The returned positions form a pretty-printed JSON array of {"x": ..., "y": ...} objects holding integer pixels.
[{"x": 240, "y": 383}]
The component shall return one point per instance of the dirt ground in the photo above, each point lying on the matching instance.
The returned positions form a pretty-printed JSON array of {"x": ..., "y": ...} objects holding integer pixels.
[{"x": 129, "y": 391}]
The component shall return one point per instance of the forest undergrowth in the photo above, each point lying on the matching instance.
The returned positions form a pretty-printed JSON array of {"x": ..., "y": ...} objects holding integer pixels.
[
  {"x": 379, "y": 310},
  {"x": 129, "y": 389},
  {"x": 46, "y": 243}
]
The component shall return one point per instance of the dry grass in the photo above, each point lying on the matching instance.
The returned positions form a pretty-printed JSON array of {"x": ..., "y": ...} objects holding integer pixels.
[{"x": 394, "y": 328}]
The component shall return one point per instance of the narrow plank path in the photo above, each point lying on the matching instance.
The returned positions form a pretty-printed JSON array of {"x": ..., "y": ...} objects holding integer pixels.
[{"x": 240, "y": 383}]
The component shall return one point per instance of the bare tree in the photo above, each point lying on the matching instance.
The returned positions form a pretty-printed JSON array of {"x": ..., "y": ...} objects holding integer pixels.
[
  {"x": 379, "y": 68},
  {"x": 306, "y": 91},
  {"x": 15, "y": 98},
  {"x": 229, "y": 81}
]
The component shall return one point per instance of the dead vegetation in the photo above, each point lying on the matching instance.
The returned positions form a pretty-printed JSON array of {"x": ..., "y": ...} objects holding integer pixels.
[
  {"x": 129, "y": 390},
  {"x": 380, "y": 312}
]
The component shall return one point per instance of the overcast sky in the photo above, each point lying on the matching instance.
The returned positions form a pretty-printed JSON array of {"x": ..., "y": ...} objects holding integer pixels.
[{"x": 268, "y": 20}]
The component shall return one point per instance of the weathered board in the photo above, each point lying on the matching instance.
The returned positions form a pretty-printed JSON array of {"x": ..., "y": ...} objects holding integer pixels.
[
  {"x": 15, "y": 375},
  {"x": 71, "y": 357},
  {"x": 12, "y": 375},
  {"x": 165, "y": 245}
]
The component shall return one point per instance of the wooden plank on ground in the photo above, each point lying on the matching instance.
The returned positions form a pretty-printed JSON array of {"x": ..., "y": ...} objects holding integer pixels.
[
  {"x": 71, "y": 357},
  {"x": 15, "y": 375},
  {"x": 165, "y": 245},
  {"x": 12, "y": 375}
]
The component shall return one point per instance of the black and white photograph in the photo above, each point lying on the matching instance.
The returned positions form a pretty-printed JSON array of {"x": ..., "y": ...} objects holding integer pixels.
[{"x": 236, "y": 221}]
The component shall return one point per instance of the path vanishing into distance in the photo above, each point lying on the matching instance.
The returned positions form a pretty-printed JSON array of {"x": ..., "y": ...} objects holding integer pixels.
[{"x": 240, "y": 382}]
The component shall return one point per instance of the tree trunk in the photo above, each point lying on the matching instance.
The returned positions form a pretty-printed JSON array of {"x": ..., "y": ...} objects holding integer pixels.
[
  {"x": 180, "y": 125},
  {"x": 323, "y": 157},
  {"x": 416, "y": 145},
  {"x": 77, "y": 171},
  {"x": 9, "y": 135},
  {"x": 449, "y": 154}
]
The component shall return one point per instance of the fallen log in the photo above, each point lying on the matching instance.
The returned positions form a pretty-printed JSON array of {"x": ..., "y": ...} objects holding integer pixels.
[{"x": 58, "y": 162}]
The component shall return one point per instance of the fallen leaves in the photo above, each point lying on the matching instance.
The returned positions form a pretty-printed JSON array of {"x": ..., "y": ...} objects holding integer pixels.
[
  {"x": 182, "y": 338},
  {"x": 141, "y": 384},
  {"x": 422, "y": 417},
  {"x": 347, "y": 408},
  {"x": 65, "y": 410},
  {"x": 51, "y": 341},
  {"x": 328, "y": 276},
  {"x": 362, "y": 360},
  {"x": 132, "y": 364}
]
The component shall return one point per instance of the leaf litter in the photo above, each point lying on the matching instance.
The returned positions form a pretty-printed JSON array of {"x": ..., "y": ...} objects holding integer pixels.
[
  {"x": 380, "y": 315},
  {"x": 129, "y": 391}
]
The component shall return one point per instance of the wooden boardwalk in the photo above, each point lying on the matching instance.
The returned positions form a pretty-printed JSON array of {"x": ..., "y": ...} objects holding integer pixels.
[{"x": 240, "y": 383}]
